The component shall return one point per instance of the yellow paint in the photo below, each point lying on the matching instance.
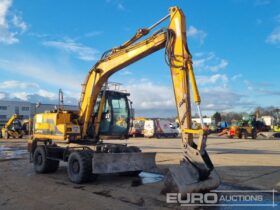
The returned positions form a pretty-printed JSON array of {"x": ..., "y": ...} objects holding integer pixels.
[
  {"x": 192, "y": 131},
  {"x": 55, "y": 126}
]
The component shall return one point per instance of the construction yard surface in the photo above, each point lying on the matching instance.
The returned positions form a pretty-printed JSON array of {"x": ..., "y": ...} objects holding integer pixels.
[{"x": 241, "y": 164}]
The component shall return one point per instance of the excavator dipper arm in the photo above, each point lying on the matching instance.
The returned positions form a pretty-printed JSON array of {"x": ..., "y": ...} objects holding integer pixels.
[{"x": 11, "y": 120}]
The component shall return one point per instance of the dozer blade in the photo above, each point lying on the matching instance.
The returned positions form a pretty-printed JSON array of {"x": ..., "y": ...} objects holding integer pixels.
[{"x": 122, "y": 162}]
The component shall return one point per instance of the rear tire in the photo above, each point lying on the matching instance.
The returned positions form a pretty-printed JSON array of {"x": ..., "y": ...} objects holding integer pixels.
[
  {"x": 79, "y": 167},
  {"x": 41, "y": 163}
]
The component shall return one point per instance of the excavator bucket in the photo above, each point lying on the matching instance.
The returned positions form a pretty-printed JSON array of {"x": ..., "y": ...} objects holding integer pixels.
[
  {"x": 122, "y": 162},
  {"x": 184, "y": 179},
  {"x": 194, "y": 174}
]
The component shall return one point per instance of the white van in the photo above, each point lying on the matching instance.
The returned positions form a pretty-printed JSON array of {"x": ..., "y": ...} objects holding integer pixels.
[
  {"x": 137, "y": 128},
  {"x": 159, "y": 128}
]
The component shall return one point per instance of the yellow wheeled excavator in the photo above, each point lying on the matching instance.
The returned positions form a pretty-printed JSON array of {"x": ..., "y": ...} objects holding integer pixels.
[
  {"x": 78, "y": 137},
  {"x": 14, "y": 128}
]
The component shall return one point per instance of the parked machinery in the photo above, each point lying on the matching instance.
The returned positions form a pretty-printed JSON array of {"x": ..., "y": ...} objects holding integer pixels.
[
  {"x": 14, "y": 128},
  {"x": 159, "y": 128},
  {"x": 242, "y": 130},
  {"x": 249, "y": 126}
]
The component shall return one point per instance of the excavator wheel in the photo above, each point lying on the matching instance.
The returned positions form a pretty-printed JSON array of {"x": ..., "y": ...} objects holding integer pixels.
[
  {"x": 41, "y": 163},
  {"x": 79, "y": 167}
]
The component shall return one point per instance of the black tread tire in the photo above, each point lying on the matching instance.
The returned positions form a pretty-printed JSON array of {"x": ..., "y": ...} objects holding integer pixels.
[
  {"x": 84, "y": 161},
  {"x": 43, "y": 165}
]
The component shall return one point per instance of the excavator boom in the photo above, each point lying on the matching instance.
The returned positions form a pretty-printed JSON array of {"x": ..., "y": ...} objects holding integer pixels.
[{"x": 179, "y": 58}]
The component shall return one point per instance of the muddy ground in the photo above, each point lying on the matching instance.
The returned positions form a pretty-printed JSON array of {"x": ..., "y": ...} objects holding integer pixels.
[{"x": 241, "y": 164}]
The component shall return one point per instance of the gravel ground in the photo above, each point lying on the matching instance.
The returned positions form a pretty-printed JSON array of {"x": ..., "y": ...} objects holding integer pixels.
[{"x": 241, "y": 164}]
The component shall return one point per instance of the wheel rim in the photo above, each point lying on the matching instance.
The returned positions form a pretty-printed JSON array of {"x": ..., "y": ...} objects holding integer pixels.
[
  {"x": 75, "y": 167},
  {"x": 39, "y": 159}
]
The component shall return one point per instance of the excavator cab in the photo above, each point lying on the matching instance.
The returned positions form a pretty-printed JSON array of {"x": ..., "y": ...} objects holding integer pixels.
[
  {"x": 115, "y": 119},
  {"x": 16, "y": 125}
]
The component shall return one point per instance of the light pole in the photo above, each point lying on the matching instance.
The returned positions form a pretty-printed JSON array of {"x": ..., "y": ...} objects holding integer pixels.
[{"x": 37, "y": 105}]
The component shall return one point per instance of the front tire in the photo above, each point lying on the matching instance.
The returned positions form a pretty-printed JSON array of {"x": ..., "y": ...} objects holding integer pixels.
[
  {"x": 79, "y": 167},
  {"x": 41, "y": 163}
]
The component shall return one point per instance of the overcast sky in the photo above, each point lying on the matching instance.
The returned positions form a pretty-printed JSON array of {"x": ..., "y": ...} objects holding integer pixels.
[{"x": 47, "y": 45}]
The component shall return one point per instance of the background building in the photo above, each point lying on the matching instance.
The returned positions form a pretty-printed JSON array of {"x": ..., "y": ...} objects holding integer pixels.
[{"x": 26, "y": 109}]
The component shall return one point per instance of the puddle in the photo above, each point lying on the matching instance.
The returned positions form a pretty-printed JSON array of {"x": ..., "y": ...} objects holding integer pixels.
[
  {"x": 7, "y": 153},
  {"x": 146, "y": 178}
]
